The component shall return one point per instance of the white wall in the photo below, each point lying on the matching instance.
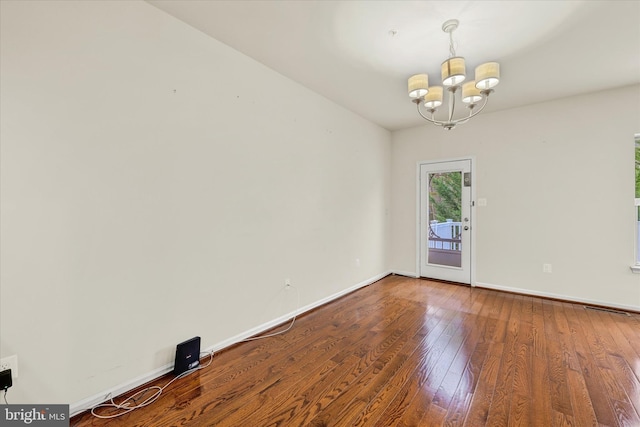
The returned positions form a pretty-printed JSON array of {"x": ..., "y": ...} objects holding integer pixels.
[
  {"x": 157, "y": 185},
  {"x": 552, "y": 174}
]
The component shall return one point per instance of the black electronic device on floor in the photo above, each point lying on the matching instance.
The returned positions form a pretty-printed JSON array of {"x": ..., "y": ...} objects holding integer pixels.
[{"x": 187, "y": 356}]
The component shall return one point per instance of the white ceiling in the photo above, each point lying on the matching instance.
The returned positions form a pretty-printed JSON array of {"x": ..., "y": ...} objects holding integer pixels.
[{"x": 347, "y": 50}]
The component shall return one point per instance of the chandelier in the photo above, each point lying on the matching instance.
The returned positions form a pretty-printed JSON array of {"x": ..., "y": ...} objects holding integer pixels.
[{"x": 475, "y": 93}]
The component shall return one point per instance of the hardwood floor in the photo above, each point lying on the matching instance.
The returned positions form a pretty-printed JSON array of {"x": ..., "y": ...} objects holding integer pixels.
[{"x": 410, "y": 352}]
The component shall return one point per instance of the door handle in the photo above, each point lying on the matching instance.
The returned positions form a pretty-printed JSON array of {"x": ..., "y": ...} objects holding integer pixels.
[{"x": 466, "y": 227}]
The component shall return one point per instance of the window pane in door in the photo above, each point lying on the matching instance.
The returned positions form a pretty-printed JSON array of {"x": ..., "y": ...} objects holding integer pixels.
[
  {"x": 637, "y": 201},
  {"x": 638, "y": 241},
  {"x": 445, "y": 227}
]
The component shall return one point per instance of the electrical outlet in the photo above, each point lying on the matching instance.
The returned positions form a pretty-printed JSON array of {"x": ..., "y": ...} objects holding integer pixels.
[
  {"x": 287, "y": 284},
  {"x": 546, "y": 268},
  {"x": 10, "y": 362}
]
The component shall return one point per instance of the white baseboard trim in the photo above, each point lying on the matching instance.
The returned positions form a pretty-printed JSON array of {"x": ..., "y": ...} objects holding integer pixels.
[
  {"x": 557, "y": 296},
  {"x": 88, "y": 403},
  {"x": 405, "y": 273}
]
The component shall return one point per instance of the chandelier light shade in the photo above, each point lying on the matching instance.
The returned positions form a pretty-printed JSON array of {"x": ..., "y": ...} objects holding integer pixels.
[
  {"x": 418, "y": 85},
  {"x": 487, "y": 75},
  {"x": 433, "y": 99},
  {"x": 453, "y": 71},
  {"x": 470, "y": 93},
  {"x": 474, "y": 93}
]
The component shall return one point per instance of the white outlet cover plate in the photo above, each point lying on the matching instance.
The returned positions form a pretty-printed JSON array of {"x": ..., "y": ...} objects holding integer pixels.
[{"x": 10, "y": 362}]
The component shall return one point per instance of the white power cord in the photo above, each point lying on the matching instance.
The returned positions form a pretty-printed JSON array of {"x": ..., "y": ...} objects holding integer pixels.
[
  {"x": 293, "y": 320},
  {"x": 126, "y": 405},
  {"x": 131, "y": 403}
]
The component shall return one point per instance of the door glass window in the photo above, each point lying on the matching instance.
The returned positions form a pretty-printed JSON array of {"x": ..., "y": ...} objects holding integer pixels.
[
  {"x": 444, "y": 236},
  {"x": 637, "y": 201},
  {"x": 445, "y": 214}
]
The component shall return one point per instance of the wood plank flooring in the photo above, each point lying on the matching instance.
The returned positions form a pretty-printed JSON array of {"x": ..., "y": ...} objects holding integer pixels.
[{"x": 411, "y": 352}]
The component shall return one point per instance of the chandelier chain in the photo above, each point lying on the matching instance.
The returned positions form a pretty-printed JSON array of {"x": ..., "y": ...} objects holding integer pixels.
[{"x": 452, "y": 50}]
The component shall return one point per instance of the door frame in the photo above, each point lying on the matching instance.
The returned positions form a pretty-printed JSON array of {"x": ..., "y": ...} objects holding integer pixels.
[{"x": 472, "y": 160}]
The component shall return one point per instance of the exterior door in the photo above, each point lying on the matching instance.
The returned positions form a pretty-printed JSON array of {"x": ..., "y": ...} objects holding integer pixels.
[{"x": 445, "y": 220}]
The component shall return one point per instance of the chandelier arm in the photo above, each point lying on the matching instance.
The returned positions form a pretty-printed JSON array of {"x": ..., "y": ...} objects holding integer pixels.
[
  {"x": 425, "y": 117},
  {"x": 452, "y": 103},
  {"x": 473, "y": 113},
  {"x": 451, "y": 121},
  {"x": 432, "y": 119},
  {"x": 464, "y": 120}
]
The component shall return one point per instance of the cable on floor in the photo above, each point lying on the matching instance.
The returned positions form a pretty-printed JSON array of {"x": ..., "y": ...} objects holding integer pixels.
[
  {"x": 131, "y": 403},
  {"x": 293, "y": 320}
]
